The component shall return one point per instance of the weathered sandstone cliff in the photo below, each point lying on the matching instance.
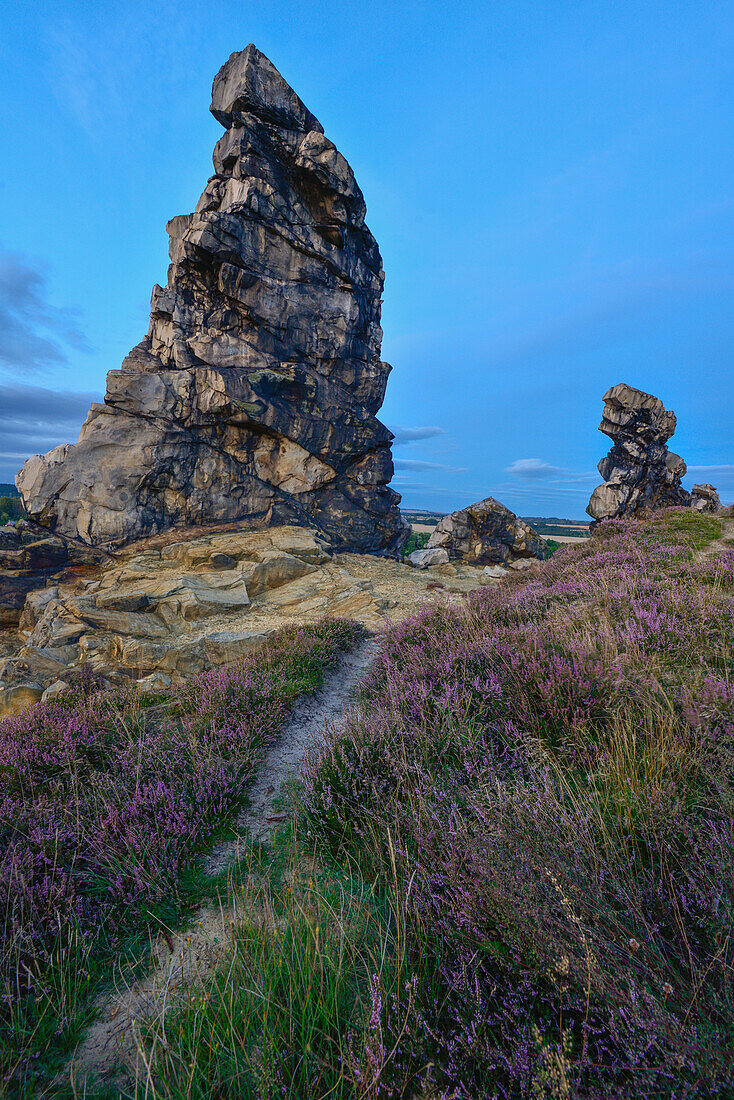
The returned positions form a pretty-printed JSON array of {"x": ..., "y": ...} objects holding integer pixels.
[{"x": 253, "y": 396}]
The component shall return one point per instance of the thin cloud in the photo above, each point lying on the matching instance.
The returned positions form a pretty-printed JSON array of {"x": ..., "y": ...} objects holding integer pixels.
[
  {"x": 33, "y": 334},
  {"x": 33, "y": 420},
  {"x": 411, "y": 435},
  {"x": 722, "y": 471},
  {"x": 416, "y": 465},
  {"x": 533, "y": 468}
]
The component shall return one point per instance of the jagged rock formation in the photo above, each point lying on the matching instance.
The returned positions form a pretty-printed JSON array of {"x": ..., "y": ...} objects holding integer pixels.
[
  {"x": 254, "y": 394},
  {"x": 485, "y": 533},
  {"x": 27, "y": 558},
  {"x": 639, "y": 471},
  {"x": 704, "y": 498}
]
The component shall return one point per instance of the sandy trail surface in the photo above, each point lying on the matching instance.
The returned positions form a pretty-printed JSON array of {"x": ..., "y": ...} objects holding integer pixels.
[{"x": 111, "y": 1049}]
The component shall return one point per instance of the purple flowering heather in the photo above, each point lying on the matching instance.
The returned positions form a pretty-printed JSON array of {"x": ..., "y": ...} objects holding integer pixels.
[
  {"x": 103, "y": 799},
  {"x": 552, "y": 765}
]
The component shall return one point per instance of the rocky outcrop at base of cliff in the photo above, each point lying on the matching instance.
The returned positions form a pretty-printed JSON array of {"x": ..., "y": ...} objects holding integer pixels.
[
  {"x": 253, "y": 395},
  {"x": 185, "y": 600},
  {"x": 484, "y": 534},
  {"x": 28, "y": 555},
  {"x": 704, "y": 498}
]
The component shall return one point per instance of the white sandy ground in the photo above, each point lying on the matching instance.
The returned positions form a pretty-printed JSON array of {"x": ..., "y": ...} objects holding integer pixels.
[{"x": 111, "y": 1050}]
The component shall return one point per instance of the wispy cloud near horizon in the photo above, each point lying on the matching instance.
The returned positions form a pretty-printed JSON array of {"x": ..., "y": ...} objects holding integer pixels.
[
  {"x": 34, "y": 335},
  {"x": 413, "y": 435},
  {"x": 34, "y": 420}
]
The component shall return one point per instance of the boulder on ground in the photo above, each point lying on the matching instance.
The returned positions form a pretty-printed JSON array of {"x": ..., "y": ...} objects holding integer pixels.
[
  {"x": 496, "y": 572},
  {"x": 54, "y": 689},
  {"x": 422, "y": 559},
  {"x": 485, "y": 533},
  {"x": 15, "y": 698},
  {"x": 253, "y": 396},
  {"x": 704, "y": 498}
]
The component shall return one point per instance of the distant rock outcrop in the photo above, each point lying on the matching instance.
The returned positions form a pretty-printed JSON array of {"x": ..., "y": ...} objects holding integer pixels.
[
  {"x": 704, "y": 498},
  {"x": 485, "y": 533},
  {"x": 639, "y": 471},
  {"x": 253, "y": 396}
]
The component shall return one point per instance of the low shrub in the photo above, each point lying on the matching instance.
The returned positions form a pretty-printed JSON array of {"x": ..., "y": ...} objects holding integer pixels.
[{"x": 416, "y": 541}]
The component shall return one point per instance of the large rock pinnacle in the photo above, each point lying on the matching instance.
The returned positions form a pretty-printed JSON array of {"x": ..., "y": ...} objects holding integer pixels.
[{"x": 253, "y": 395}]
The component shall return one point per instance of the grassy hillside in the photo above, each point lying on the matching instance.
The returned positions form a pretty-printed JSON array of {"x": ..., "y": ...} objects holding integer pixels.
[{"x": 512, "y": 874}]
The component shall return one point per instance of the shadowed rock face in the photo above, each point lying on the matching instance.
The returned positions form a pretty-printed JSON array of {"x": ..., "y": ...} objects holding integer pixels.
[
  {"x": 639, "y": 471},
  {"x": 253, "y": 395}
]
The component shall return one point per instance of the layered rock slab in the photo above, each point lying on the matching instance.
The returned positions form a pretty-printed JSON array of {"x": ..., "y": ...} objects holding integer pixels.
[
  {"x": 253, "y": 395},
  {"x": 640, "y": 473},
  {"x": 178, "y": 603}
]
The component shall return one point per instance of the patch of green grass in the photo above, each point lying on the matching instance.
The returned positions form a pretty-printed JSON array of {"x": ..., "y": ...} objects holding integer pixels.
[
  {"x": 48, "y": 1000},
  {"x": 416, "y": 541},
  {"x": 686, "y": 527},
  {"x": 285, "y": 1012}
]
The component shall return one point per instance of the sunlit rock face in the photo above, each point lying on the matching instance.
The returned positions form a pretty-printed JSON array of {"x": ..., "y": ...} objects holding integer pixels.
[
  {"x": 254, "y": 394},
  {"x": 639, "y": 472}
]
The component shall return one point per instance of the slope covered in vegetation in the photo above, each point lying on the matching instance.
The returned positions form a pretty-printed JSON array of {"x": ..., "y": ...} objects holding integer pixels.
[
  {"x": 107, "y": 796},
  {"x": 511, "y": 872}
]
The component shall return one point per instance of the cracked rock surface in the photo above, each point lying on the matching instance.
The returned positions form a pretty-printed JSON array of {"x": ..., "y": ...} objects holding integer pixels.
[
  {"x": 253, "y": 395},
  {"x": 170, "y": 606}
]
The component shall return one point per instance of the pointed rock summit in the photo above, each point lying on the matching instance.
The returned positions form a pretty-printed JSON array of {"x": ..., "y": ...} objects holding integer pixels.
[{"x": 253, "y": 396}]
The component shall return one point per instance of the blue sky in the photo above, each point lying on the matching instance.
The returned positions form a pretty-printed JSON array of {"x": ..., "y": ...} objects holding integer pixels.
[{"x": 551, "y": 186}]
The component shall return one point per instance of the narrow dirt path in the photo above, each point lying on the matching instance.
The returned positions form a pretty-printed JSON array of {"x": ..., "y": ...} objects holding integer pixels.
[{"x": 110, "y": 1049}]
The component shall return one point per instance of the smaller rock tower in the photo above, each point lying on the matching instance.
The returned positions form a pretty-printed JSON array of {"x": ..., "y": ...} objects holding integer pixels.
[{"x": 639, "y": 471}]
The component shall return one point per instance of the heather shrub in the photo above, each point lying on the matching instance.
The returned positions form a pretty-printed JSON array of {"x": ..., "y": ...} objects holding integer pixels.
[
  {"x": 547, "y": 770},
  {"x": 105, "y": 800}
]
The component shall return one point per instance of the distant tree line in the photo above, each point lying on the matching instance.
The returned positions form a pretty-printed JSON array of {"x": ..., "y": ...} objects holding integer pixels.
[{"x": 11, "y": 507}]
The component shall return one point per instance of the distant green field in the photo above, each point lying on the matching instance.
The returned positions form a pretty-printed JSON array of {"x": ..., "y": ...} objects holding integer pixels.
[
  {"x": 544, "y": 525},
  {"x": 417, "y": 515}
]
